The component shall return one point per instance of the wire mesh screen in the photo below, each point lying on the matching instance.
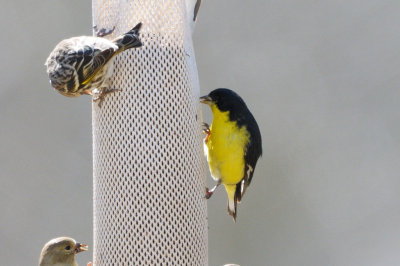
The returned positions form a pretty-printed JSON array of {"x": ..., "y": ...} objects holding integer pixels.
[{"x": 149, "y": 174}]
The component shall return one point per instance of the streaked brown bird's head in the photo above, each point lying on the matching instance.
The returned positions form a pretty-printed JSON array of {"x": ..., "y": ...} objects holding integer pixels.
[{"x": 62, "y": 73}]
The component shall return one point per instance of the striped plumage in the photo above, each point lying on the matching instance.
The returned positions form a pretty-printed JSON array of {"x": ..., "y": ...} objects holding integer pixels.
[{"x": 79, "y": 65}]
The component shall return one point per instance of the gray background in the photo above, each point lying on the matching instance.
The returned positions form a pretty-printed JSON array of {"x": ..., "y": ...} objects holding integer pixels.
[{"x": 321, "y": 78}]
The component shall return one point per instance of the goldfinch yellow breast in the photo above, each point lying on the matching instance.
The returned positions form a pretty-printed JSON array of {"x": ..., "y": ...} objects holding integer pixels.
[{"x": 226, "y": 148}]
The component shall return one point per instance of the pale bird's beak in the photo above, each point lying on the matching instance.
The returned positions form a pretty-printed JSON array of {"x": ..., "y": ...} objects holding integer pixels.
[
  {"x": 80, "y": 247},
  {"x": 205, "y": 99}
]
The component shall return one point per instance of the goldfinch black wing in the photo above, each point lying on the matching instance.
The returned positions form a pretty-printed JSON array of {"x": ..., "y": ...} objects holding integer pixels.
[
  {"x": 253, "y": 151},
  {"x": 90, "y": 60}
]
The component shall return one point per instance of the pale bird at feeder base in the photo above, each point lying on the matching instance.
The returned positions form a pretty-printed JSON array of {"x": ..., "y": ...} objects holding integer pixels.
[{"x": 61, "y": 251}]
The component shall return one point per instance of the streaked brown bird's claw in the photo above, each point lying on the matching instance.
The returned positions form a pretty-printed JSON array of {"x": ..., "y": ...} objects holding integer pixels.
[
  {"x": 103, "y": 31},
  {"x": 100, "y": 97}
]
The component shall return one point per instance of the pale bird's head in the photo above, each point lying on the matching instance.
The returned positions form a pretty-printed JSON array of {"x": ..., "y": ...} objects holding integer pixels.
[{"x": 61, "y": 251}]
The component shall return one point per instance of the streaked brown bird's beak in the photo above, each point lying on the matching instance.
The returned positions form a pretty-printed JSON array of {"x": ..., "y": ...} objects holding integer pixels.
[
  {"x": 205, "y": 99},
  {"x": 80, "y": 247}
]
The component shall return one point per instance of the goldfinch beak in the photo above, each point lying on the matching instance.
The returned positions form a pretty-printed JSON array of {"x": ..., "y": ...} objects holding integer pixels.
[
  {"x": 205, "y": 99},
  {"x": 80, "y": 247}
]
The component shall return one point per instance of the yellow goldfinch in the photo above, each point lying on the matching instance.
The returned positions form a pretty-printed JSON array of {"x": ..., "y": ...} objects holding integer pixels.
[
  {"x": 83, "y": 65},
  {"x": 60, "y": 251},
  {"x": 232, "y": 145}
]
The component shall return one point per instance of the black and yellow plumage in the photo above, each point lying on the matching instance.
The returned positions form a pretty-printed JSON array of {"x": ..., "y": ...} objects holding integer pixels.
[
  {"x": 79, "y": 65},
  {"x": 233, "y": 144}
]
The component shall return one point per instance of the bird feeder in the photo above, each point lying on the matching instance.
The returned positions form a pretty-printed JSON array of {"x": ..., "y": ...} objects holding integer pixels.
[{"x": 148, "y": 162}]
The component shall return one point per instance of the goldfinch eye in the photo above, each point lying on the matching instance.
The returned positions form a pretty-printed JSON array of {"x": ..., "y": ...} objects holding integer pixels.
[{"x": 68, "y": 247}]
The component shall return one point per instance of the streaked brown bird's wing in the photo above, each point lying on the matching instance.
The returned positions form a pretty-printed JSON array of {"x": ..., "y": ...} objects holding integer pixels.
[{"x": 90, "y": 61}]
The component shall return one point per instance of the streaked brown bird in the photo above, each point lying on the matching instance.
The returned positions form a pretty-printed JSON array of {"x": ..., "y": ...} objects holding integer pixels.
[{"x": 83, "y": 65}]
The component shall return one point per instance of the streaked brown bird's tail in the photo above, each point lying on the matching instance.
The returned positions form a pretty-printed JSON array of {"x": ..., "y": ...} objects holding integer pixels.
[{"x": 129, "y": 39}]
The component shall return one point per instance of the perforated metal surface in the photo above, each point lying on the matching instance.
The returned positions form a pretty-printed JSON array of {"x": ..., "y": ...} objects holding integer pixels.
[{"x": 149, "y": 174}]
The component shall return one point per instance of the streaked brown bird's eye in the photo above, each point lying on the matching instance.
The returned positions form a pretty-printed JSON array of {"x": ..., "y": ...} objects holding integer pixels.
[{"x": 68, "y": 247}]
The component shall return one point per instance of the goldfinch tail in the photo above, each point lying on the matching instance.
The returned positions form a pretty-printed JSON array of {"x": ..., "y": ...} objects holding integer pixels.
[
  {"x": 232, "y": 200},
  {"x": 129, "y": 39}
]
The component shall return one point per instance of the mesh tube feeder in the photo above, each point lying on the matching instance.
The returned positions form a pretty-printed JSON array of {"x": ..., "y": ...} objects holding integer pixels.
[{"x": 148, "y": 163}]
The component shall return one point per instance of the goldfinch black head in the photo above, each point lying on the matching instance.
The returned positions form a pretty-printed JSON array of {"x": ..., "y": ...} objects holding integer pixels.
[
  {"x": 233, "y": 144},
  {"x": 61, "y": 251}
]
